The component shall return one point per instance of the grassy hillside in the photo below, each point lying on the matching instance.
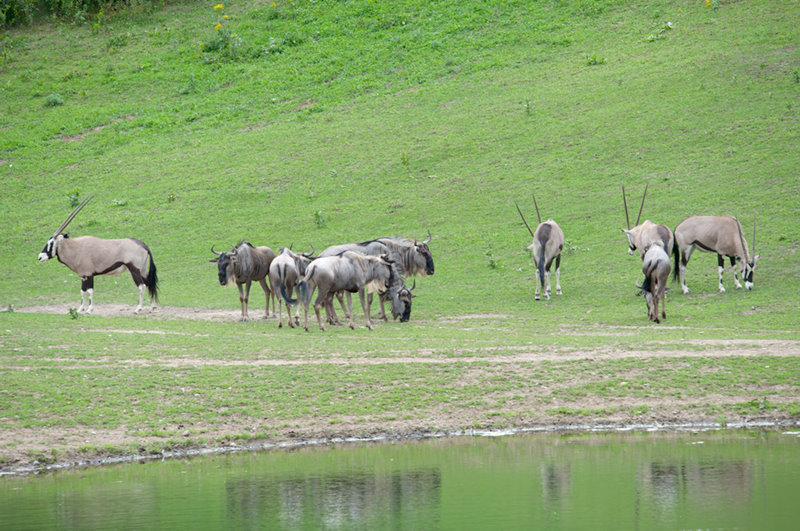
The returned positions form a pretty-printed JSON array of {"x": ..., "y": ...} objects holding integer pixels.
[{"x": 320, "y": 123}]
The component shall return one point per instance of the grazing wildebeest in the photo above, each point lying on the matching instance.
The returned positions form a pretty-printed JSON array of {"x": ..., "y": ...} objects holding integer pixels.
[
  {"x": 284, "y": 271},
  {"x": 715, "y": 234},
  {"x": 642, "y": 236},
  {"x": 655, "y": 267},
  {"x": 89, "y": 256},
  {"x": 242, "y": 265},
  {"x": 548, "y": 241},
  {"x": 411, "y": 257},
  {"x": 348, "y": 271}
]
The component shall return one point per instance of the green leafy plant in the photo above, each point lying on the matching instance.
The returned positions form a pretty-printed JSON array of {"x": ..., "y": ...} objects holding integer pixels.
[
  {"x": 594, "y": 60},
  {"x": 53, "y": 100},
  {"x": 319, "y": 220}
]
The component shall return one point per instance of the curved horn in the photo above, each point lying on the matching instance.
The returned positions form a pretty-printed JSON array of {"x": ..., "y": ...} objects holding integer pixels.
[
  {"x": 537, "y": 208},
  {"x": 312, "y": 249},
  {"x": 642, "y": 205},
  {"x": 215, "y": 252},
  {"x": 625, "y": 202},
  {"x": 523, "y": 219},
  {"x": 414, "y": 286},
  {"x": 426, "y": 242},
  {"x": 72, "y": 215}
]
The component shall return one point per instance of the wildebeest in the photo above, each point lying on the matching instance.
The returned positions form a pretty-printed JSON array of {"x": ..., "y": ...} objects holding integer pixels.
[
  {"x": 715, "y": 234},
  {"x": 349, "y": 272},
  {"x": 284, "y": 272},
  {"x": 242, "y": 265},
  {"x": 548, "y": 241},
  {"x": 655, "y": 266},
  {"x": 642, "y": 236},
  {"x": 89, "y": 256},
  {"x": 411, "y": 257}
]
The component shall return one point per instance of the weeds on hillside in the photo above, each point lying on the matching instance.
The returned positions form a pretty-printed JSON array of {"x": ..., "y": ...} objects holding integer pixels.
[
  {"x": 594, "y": 59},
  {"x": 224, "y": 42}
]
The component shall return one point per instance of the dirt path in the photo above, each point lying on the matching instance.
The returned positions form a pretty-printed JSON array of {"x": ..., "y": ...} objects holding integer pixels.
[{"x": 28, "y": 447}]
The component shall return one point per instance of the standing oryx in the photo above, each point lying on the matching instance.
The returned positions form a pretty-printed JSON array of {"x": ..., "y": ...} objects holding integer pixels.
[
  {"x": 716, "y": 234},
  {"x": 348, "y": 271},
  {"x": 89, "y": 256},
  {"x": 284, "y": 272},
  {"x": 642, "y": 236},
  {"x": 242, "y": 265},
  {"x": 655, "y": 266},
  {"x": 548, "y": 241}
]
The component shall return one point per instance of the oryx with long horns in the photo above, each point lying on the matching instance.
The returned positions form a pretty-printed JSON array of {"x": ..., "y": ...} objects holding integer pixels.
[
  {"x": 548, "y": 241},
  {"x": 642, "y": 236},
  {"x": 655, "y": 266},
  {"x": 716, "y": 234},
  {"x": 89, "y": 256}
]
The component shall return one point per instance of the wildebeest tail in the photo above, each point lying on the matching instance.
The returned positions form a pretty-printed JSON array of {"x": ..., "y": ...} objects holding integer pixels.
[
  {"x": 290, "y": 302},
  {"x": 152, "y": 278},
  {"x": 302, "y": 292}
]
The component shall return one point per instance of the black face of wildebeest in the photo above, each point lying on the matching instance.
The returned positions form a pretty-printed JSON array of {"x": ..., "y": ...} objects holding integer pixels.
[
  {"x": 225, "y": 263},
  {"x": 422, "y": 248}
]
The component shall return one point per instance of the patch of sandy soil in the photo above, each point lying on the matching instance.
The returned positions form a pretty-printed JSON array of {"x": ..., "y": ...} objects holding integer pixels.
[{"x": 31, "y": 449}]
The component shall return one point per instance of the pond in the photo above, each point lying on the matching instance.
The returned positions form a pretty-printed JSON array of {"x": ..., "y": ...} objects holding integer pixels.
[{"x": 658, "y": 480}]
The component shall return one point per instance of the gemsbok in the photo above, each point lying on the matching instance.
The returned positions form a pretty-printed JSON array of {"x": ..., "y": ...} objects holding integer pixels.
[
  {"x": 642, "y": 236},
  {"x": 548, "y": 241},
  {"x": 716, "y": 234},
  {"x": 655, "y": 266},
  {"x": 89, "y": 257}
]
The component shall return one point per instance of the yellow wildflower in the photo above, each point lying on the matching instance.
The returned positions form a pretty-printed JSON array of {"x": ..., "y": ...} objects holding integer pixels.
[
  {"x": 708, "y": 3},
  {"x": 224, "y": 16},
  {"x": 217, "y": 27},
  {"x": 219, "y": 6}
]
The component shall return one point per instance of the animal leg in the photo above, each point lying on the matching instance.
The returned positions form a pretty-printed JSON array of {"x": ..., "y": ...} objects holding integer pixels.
[
  {"x": 735, "y": 277},
  {"x": 267, "y": 292},
  {"x": 243, "y": 300},
  {"x": 683, "y": 262},
  {"x": 558, "y": 275},
  {"x": 87, "y": 288},
  {"x": 720, "y": 269},
  {"x": 317, "y": 306},
  {"x": 363, "y": 307},
  {"x": 546, "y": 287},
  {"x": 141, "y": 298}
]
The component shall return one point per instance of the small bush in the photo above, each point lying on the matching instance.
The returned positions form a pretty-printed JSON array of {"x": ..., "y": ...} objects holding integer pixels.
[{"x": 53, "y": 100}]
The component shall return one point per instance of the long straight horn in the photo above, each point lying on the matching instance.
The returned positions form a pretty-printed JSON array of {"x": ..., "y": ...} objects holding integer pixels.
[
  {"x": 72, "y": 215},
  {"x": 741, "y": 239},
  {"x": 523, "y": 219},
  {"x": 537, "y": 208},
  {"x": 625, "y": 202},
  {"x": 753, "y": 250},
  {"x": 642, "y": 205}
]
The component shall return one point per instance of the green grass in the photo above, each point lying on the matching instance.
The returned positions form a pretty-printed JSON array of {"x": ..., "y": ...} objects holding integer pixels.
[{"x": 322, "y": 123}]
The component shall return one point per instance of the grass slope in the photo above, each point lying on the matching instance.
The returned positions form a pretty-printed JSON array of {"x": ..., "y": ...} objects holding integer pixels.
[{"x": 320, "y": 123}]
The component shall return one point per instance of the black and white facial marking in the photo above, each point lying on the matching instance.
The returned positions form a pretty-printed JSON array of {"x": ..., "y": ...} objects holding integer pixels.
[
  {"x": 749, "y": 268},
  {"x": 422, "y": 248},
  {"x": 49, "y": 250}
]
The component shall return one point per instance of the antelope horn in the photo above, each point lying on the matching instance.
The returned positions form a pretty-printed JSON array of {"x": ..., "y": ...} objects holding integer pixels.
[
  {"x": 741, "y": 239},
  {"x": 215, "y": 252},
  {"x": 291, "y": 245},
  {"x": 625, "y": 202},
  {"x": 754, "y": 235},
  {"x": 312, "y": 250},
  {"x": 642, "y": 205},
  {"x": 414, "y": 286},
  {"x": 426, "y": 242},
  {"x": 72, "y": 215},
  {"x": 537, "y": 208},
  {"x": 523, "y": 219}
]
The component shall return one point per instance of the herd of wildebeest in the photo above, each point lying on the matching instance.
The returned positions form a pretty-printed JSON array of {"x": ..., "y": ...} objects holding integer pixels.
[{"x": 382, "y": 265}]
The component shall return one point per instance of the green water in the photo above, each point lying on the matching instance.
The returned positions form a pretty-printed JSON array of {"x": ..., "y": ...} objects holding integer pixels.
[{"x": 729, "y": 480}]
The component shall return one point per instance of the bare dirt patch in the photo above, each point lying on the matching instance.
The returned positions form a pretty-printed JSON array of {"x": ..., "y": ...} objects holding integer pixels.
[{"x": 33, "y": 447}]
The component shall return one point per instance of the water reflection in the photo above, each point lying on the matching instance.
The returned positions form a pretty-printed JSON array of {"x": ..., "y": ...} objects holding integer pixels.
[
  {"x": 334, "y": 501},
  {"x": 596, "y": 481}
]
